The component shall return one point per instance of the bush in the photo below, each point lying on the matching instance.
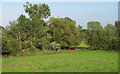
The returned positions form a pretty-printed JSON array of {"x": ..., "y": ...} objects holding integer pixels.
[
  {"x": 13, "y": 46},
  {"x": 54, "y": 46},
  {"x": 28, "y": 44},
  {"x": 25, "y": 52},
  {"x": 32, "y": 48},
  {"x": 10, "y": 46},
  {"x": 24, "y": 45}
]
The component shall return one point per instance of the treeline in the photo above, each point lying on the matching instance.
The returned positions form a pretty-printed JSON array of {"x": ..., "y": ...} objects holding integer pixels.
[
  {"x": 100, "y": 38},
  {"x": 32, "y": 34}
]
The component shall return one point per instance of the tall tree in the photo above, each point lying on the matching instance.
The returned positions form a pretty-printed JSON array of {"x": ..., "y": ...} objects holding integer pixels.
[
  {"x": 95, "y": 32},
  {"x": 39, "y": 10},
  {"x": 111, "y": 37}
]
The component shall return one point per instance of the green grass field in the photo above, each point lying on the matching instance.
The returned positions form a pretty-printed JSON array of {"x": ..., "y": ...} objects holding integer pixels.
[{"x": 64, "y": 61}]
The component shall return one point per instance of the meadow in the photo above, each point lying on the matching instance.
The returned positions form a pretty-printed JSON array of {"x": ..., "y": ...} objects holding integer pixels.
[{"x": 64, "y": 61}]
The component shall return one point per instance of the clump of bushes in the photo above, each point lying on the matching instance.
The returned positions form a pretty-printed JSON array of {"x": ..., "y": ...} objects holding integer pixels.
[
  {"x": 10, "y": 46},
  {"x": 54, "y": 46}
]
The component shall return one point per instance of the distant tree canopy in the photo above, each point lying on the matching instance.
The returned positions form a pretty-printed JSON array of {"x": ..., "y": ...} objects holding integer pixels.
[
  {"x": 100, "y": 38},
  {"x": 93, "y": 25},
  {"x": 39, "y": 10},
  {"x": 34, "y": 33}
]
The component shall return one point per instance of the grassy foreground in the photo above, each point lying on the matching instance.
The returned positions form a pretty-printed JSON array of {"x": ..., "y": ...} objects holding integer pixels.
[{"x": 64, "y": 61}]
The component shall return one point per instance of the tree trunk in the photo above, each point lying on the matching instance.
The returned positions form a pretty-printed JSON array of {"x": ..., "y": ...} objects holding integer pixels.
[
  {"x": 37, "y": 10},
  {"x": 17, "y": 38}
]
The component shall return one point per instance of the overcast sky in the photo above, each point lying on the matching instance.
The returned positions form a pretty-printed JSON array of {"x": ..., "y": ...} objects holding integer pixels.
[{"x": 81, "y": 12}]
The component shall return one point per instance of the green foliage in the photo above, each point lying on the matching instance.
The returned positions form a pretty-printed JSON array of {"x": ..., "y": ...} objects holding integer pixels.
[
  {"x": 9, "y": 46},
  {"x": 64, "y": 31},
  {"x": 117, "y": 24},
  {"x": 94, "y": 35},
  {"x": 93, "y": 25},
  {"x": 38, "y": 10},
  {"x": 24, "y": 45},
  {"x": 102, "y": 39},
  {"x": 112, "y": 37},
  {"x": 35, "y": 33},
  {"x": 25, "y": 52},
  {"x": 82, "y": 34},
  {"x": 32, "y": 48}
]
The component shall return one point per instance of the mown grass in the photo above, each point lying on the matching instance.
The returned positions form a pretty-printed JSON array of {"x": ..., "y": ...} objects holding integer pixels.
[
  {"x": 64, "y": 61},
  {"x": 0, "y": 64}
]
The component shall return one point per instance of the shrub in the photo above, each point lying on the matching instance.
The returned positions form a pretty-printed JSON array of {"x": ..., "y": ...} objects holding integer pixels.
[
  {"x": 10, "y": 46},
  {"x": 24, "y": 45},
  {"x": 54, "y": 46},
  {"x": 28, "y": 43},
  {"x": 25, "y": 52},
  {"x": 32, "y": 48}
]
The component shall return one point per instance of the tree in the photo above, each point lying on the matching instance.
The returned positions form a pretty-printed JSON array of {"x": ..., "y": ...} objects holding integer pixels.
[
  {"x": 93, "y": 25},
  {"x": 9, "y": 44},
  {"x": 39, "y": 10},
  {"x": 18, "y": 30},
  {"x": 40, "y": 33},
  {"x": 102, "y": 38},
  {"x": 111, "y": 37},
  {"x": 95, "y": 35},
  {"x": 64, "y": 31},
  {"x": 117, "y": 24},
  {"x": 37, "y": 13},
  {"x": 1, "y": 28}
]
